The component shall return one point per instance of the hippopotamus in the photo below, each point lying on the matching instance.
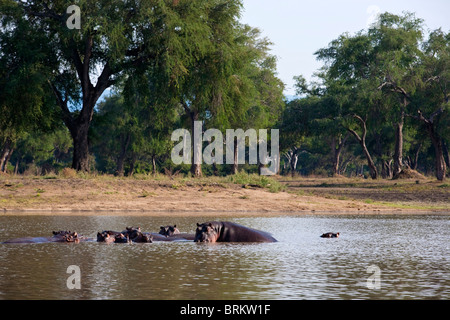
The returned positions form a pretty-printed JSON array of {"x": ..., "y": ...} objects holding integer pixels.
[
  {"x": 172, "y": 233},
  {"x": 131, "y": 234},
  {"x": 218, "y": 231},
  {"x": 112, "y": 236},
  {"x": 58, "y": 236},
  {"x": 330, "y": 235},
  {"x": 169, "y": 230},
  {"x": 136, "y": 235}
]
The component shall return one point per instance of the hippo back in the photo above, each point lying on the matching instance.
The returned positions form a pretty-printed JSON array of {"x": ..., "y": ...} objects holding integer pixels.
[
  {"x": 218, "y": 231},
  {"x": 233, "y": 232}
]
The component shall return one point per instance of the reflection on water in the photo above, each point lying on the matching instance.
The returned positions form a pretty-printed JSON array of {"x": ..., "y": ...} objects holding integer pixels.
[{"x": 411, "y": 253}]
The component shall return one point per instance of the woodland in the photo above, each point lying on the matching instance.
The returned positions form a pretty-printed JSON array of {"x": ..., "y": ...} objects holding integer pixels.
[{"x": 105, "y": 98}]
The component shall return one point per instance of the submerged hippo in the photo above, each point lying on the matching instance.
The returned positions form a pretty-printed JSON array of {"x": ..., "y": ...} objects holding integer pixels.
[
  {"x": 172, "y": 233},
  {"x": 58, "y": 236},
  {"x": 169, "y": 230},
  {"x": 175, "y": 237},
  {"x": 136, "y": 235},
  {"x": 112, "y": 236},
  {"x": 218, "y": 231},
  {"x": 131, "y": 234},
  {"x": 330, "y": 235}
]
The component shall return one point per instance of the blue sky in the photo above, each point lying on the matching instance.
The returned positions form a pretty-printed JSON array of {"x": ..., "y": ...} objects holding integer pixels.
[{"x": 298, "y": 28}]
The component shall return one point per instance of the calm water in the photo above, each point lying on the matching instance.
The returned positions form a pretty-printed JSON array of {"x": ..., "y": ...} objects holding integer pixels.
[{"x": 411, "y": 252}]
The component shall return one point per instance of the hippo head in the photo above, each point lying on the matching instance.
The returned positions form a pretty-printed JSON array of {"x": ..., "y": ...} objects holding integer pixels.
[
  {"x": 142, "y": 237},
  {"x": 206, "y": 233},
  {"x": 104, "y": 237},
  {"x": 132, "y": 232},
  {"x": 330, "y": 235},
  {"x": 66, "y": 236},
  {"x": 121, "y": 238},
  {"x": 169, "y": 230}
]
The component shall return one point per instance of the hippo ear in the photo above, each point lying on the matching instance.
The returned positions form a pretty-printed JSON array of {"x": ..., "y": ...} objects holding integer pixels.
[
  {"x": 210, "y": 224},
  {"x": 55, "y": 233},
  {"x": 198, "y": 224}
]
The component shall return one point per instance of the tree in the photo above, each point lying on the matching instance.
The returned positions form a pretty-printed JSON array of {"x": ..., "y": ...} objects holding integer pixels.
[
  {"x": 295, "y": 126},
  {"x": 115, "y": 38},
  {"x": 232, "y": 84},
  {"x": 25, "y": 98},
  {"x": 348, "y": 79},
  {"x": 397, "y": 56},
  {"x": 386, "y": 58},
  {"x": 255, "y": 94},
  {"x": 129, "y": 125},
  {"x": 431, "y": 100}
]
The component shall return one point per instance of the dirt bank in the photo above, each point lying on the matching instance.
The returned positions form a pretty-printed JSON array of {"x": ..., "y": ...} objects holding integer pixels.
[{"x": 109, "y": 195}]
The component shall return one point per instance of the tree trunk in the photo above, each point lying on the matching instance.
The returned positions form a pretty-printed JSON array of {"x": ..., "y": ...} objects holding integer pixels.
[
  {"x": 132, "y": 163},
  {"x": 362, "y": 142},
  {"x": 80, "y": 161},
  {"x": 293, "y": 163},
  {"x": 8, "y": 157},
  {"x": 122, "y": 155},
  {"x": 446, "y": 154},
  {"x": 337, "y": 152},
  {"x": 440, "y": 165},
  {"x": 371, "y": 164},
  {"x": 235, "y": 169},
  {"x": 398, "y": 151},
  {"x": 196, "y": 168},
  {"x": 344, "y": 166},
  {"x": 16, "y": 168},
  {"x": 416, "y": 157},
  {"x": 4, "y": 155},
  {"x": 154, "y": 165},
  {"x": 386, "y": 171}
]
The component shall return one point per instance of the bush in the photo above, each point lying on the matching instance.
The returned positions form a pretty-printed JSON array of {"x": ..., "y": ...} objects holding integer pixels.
[
  {"x": 68, "y": 173},
  {"x": 255, "y": 180}
]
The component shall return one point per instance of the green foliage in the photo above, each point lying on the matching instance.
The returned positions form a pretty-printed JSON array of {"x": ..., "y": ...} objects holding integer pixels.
[
  {"x": 374, "y": 83},
  {"x": 172, "y": 62},
  {"x": 255, "y": 180}
]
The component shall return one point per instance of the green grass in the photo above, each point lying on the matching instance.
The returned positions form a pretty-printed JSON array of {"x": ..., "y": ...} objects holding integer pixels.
[
  {"x": 255, "y": 180},
  {"x": 399, "y": 205}
]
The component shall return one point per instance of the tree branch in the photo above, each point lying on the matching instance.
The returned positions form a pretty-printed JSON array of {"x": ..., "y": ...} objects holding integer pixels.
[
  {"x": 62, "y": 103},
  {"x": 363, "y": 123},
  {"x": 395, "y": 88},
  {"x": 185, "y": 106},
  {"x": 87, "y": 56},
  {"x": 49, "y": 13}
]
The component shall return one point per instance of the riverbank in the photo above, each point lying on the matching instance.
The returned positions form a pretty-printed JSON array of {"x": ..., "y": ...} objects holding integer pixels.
[{"x": 178, "y": 196}]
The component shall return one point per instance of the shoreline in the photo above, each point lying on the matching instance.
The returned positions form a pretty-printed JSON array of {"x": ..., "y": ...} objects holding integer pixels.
[
  {"x": 178, "y": 213},
  {"x": 216, "y": 196}
]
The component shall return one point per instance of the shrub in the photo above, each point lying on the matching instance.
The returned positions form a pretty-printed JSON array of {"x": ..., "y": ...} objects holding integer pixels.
[{"x": 68, "y": 173}]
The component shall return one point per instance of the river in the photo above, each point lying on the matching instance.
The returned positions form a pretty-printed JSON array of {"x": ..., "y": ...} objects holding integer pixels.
[{"x": 375, "y": 257}]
